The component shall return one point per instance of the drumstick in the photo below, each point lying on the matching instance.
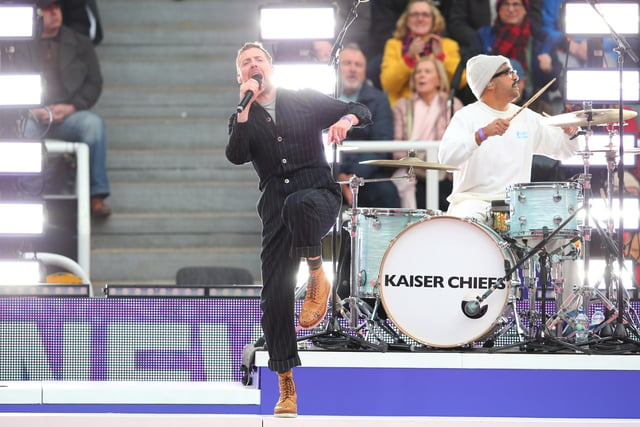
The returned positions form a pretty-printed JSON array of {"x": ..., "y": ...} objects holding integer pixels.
[{"x": 533, "y": 98}]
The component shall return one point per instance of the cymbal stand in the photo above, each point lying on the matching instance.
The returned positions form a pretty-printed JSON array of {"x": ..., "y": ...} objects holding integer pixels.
[
  {"x": 622, "y": 49},
  {"x": 357, "y": 307},
  {"x": 474, "y": 308}
]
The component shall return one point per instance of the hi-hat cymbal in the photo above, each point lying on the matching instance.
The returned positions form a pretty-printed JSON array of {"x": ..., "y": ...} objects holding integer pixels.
[
  {"x": 409, "y": 162},
  {"x": 581, "y": 118}
]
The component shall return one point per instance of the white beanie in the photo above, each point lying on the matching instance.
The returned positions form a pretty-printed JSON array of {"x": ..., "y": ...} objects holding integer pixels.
[{"x": 480, "y": 69}]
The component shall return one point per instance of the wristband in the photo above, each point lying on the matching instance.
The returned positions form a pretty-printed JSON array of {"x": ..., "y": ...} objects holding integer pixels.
[
  {"x": 347, "y": 118},
  {"x": 483, "y": 137}
]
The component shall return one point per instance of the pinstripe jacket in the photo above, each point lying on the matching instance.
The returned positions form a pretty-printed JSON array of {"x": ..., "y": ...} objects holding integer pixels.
[{"x": 289, "y": 156}]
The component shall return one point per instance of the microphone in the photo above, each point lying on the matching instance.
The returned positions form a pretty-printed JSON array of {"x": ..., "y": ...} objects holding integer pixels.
[
  {"x": 472, "y": 306},
  {"x": 248, "y": 95}
]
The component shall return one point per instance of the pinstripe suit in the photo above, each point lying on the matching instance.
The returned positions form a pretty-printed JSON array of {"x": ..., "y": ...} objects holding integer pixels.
[{"x": 299, "y": 203}]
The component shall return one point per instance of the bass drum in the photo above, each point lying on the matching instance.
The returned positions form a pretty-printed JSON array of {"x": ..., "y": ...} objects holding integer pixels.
[{"x": 434, "y": 265}]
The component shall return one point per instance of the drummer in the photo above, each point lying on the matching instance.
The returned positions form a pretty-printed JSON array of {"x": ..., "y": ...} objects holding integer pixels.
[{"x": 492, "y": 141}]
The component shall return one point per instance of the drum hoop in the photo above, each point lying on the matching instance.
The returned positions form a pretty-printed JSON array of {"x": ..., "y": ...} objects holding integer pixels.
[
  {"x": 489, "y": 232},
  {"x": 550, "y": 184},
  {"x": 389, "y": 212}
]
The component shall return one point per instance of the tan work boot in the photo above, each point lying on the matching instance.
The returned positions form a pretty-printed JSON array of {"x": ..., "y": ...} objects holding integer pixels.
[
  {"x": 314, "y": 307},
  {"x": 287, "y": 406}
]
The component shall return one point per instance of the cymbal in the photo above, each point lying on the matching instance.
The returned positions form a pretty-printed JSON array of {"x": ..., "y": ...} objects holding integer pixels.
[
  {"x": 409, "y": 162},
  {"x": 580, "y": 118}
]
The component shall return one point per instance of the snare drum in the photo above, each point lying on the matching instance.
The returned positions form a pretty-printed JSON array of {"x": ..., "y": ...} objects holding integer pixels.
[
  {"x": 434, "y": 265},
  {"x": 538, "y": 208},
  {"x": 375, "y": 228}
]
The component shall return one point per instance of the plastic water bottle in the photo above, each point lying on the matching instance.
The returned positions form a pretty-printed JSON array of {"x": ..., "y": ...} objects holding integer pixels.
[
  {"x": 582, "y": 327},
  {"x": 597, "y": 318}
]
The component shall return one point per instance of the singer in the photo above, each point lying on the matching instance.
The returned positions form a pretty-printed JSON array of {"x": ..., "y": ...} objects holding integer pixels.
[
  {"x": 280, "y": 132},
  {"x": 492, "y": 148}
]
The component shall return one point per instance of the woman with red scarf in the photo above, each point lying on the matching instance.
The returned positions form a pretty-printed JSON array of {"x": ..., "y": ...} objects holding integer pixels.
[
  {"x": 418, "y": 33},
  {"x": 517, "y": 34}
]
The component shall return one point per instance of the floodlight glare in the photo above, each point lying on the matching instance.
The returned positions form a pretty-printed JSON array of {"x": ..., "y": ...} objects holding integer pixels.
[
  {"x": 20, "y": 90},
  {"x": 20, "y": 219},
  {"x": 19, "y": 272},
  {"x": 295, "y": 76},
  {"x": 21, "y": 157},
  {"x": 297, "y": 22},
  {"x": 602, "y": 85},
  {"x": 598, "y": 265},
  {"x": 17, "y": 22},
  {"x": 598, "y": 143},
  {"x": 582, "y": 19},
  {"x": 630, "y": 212}
]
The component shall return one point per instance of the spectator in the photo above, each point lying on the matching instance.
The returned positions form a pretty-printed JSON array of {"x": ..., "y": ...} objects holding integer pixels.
[
  {"x": 465, "y": 18},
  {"x": 418, "y": 33},
  {"x": 515, "y": 34},
  {"x": 423, "y": 117},
  {"x": 384, "y": 16},
  {"x": 354, "y": 88},
  {"x": 73, "y": 83}
]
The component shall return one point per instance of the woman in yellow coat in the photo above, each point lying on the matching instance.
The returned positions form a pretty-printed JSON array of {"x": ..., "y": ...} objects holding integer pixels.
[{"x": 418, "y": 33}]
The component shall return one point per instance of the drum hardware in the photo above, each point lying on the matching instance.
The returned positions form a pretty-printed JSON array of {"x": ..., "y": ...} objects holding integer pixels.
[
  {"x": 580, "y": 296},
  {"x": 411, "y": 161},
  {"x": 612, "y": 249},
  {"x": 543, "y": 339},
  {"x": 473, "y": 308},
  {"x": 588, "y": 117}
]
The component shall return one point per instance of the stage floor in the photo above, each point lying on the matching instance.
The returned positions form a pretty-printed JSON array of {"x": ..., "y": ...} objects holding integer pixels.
[{"x": 361, "y": 388}]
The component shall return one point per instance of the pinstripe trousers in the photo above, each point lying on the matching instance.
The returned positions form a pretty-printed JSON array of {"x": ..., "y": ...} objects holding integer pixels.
[{"x": 292, "y": 228}]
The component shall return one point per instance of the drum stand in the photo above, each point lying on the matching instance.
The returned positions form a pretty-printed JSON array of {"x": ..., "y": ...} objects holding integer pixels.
[
  {"x": 358, "y": 308},
  {"x": 615, "y": 334},
  {"x": 474, "y": 309}
]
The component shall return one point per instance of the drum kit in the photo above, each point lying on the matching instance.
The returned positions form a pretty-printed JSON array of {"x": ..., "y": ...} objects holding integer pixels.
[{"x": 420, "y": 279}]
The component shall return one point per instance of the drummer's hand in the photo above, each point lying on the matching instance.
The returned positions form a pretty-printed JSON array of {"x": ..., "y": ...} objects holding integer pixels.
[
  {"x": 338, "y": 131},
  {"x": 571, "y": 131},
  {"x": 496, "y": 127}
]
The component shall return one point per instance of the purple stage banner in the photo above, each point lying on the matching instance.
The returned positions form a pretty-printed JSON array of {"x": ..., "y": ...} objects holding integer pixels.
[{"x": 86, "y": 339}]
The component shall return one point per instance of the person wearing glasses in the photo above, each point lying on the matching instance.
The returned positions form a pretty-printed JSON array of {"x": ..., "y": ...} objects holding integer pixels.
[
  {"x": 492, "y": 141},
  {"x": 418, "y": 33}
]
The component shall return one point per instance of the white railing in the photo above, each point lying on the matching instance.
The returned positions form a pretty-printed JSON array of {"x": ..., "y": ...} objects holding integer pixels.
[{"x": 82, "y": 194}]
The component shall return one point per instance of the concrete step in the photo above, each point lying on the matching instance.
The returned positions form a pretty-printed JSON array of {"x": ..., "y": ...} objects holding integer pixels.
[
  {"x": 151, "y": 13},
  {"x": 175, "y": 166},
  {"x": 167, "y": 133},
  {"x": 195, "y": 197},
  {"x": 169, "y": 72},
  {"x": 179, "y": 231},
  {"x": 159, "y": 102},
  {"x": 151, "y": 265}
]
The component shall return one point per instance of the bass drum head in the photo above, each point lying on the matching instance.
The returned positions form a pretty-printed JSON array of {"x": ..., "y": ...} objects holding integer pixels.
[{"x": 431, "y": 267}]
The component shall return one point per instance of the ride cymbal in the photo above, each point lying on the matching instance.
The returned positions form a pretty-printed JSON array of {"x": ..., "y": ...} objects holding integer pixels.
[
  {"x": 581, "y": 118},
  {"x": 409, "y": 162}
]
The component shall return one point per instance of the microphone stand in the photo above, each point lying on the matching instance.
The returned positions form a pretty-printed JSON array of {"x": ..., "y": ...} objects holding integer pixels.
[
  {"x": 333, "y": 337},
  {"x": 620, "y": 332}
]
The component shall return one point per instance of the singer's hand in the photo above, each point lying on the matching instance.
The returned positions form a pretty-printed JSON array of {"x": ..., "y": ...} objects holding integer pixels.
[
  {"x": 250, "y": 85},
  {"x": 338, "y": 131}
]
